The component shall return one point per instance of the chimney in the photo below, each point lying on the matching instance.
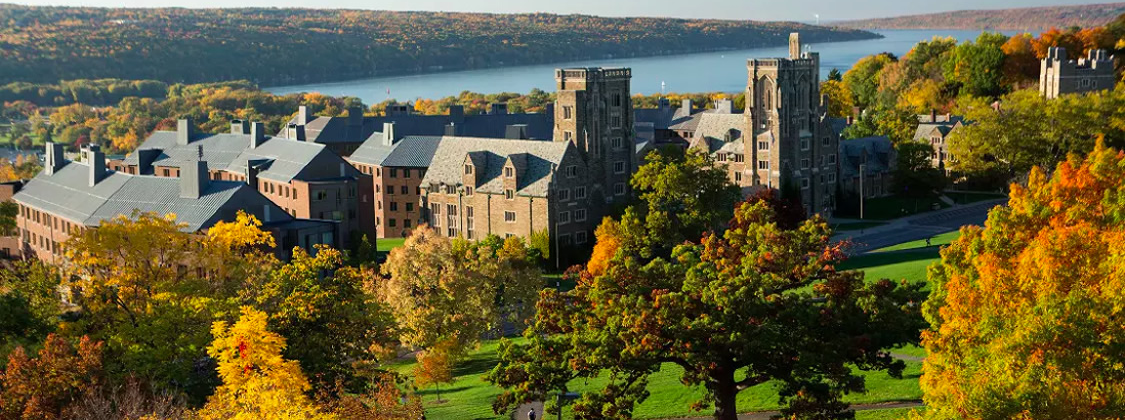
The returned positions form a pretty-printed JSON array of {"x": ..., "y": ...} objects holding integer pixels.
[
  {"x": 296, "y": 132},
  {"x": 948, "y": 117},
  {"x": 266, "y": 215},
  {"x": 933, "y": 115},
  {"x": 239, "y": 127},
  {"x": 451, "y": 129},
  {"x": 794, "y": 46},
  {"x": 55, "y": 159},
  {"x": 257, "y": 134},
  {"x": 516, "y": 132},
  {"x": 550, "y": 109},
  {"x": 850, "y": 120},
  {"x": 145, "y": 157},
  {"x": 685, "y": 105},
  {"x": 388, "y": 133},
  {"x": 184, "y": 131},
  {"x": 302, "y": 115},
  {"x": 96, "y": 161},
  {"x": 355, "y": 116},
  {"x": 663, "y": 103},
  {"x": 498, "y": 109},
  {"x": 252, "y": 171},
  {"x": 194, "y": 177},
  {"x": 456, "y": 113},
  {"x": 724, "y": 106}
]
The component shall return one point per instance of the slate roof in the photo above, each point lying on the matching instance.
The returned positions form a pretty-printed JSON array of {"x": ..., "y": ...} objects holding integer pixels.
[
  {"x": 286, "y": 159},
  {"x": 660, "y": 118},
  {"x": 837, "y": 125},
  {"x": 67, "y": 194},
  {"x": 535, "y": 156},
  {"x": 878, "y": 150},
  {"x": 713, "y": 130},
  {"x": 414, "y": 152},
  {"x": 329, "y": 130}
]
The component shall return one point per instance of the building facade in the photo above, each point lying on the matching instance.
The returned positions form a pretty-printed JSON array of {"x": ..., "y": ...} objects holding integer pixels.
[
  {"x": 594, "y": 112},
  {"x": 935, "y": 130},
  {"x": 790, "y": 145},
  {"x": 69, "y": 197},
  {"x": 305, "y": 179},
  {"x": 396, "y": 168},
  {"x": 1060, "y": 76}
]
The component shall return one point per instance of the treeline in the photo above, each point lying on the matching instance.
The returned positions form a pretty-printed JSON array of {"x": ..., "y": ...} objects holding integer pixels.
[
  {"x": 89, "y": 92},
  {"x": 288, "y": 46},
  {"x": 1022, "y": 19}
]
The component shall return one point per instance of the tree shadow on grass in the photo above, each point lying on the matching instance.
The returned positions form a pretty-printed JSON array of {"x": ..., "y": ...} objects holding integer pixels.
[
  {"x": 475, "y": 365},
  {"x": 880, "y": 259},
  {"x": 440, "y": 391}
]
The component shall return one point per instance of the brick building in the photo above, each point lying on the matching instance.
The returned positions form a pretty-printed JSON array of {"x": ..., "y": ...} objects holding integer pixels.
[
  {"x": 790, "y": 145},
  {"x": 594, "y": 112},
  {"x": 67, "y": 197},
  {"x": 396, "y": 168},
  {"x": 10, "y": 243},
  {"x": 1060, "y": 76},
  {"x": 476, "y": 187},
  {"x": 305, "y": 179}
]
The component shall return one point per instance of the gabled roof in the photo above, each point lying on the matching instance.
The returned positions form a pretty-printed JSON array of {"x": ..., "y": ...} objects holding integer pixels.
[
  {"x": 876, "y": 152},
  {"x": 287, "y": 159},
  {"x": 715, "y": 130},
  {"x": 67, "y": 193},
  {"x": 539, "y": 158},
  {"x": 328, "y": 130},
  {"x": 412, "y": 152}
]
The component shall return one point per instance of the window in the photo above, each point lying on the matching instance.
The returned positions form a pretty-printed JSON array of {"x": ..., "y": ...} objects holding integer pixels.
[
  {"x": 615, "y": 121},
  {"x": 619, "y": 188},
  {"x": 394, "y": 206},
  {"x": 391, "y": 222},
  {"x": 564, "y": 239},
  {"x": 579, "y": 193},
  {"x": 763, "y": 165},
  {"x": 568, "y": 112},
  {"x": 468, "y": 190},
  {"x": 763, "y": 145},
  {"x": 831, "y": 159},
  {"x": 564, "y": 217},
  {"x": 468, "y": 169},
  {"x": 321, "y": 195},
  {"x": 804, "y": 144},
  {"x": 563, "y": 194},
  {"x": 391, "y": 190},
  {"x": 805, "y": 163},
  {"x": 404, "y": 190},
  {"x": 571, "y": 171},
  {"x": 510, "y": 216},
  {"x": 615, "y": 99},
  {"x": 509, "y": 194},
  {"x": 409, "y": 206},
  {"x": 738, "y": 177},
  {"x": 405, "y": 223},
  {"x": 804, "y": 183},
  {"x": 406, "y": 173},
  {"x": 509, "y": 172},
  {"x": 721, "y": 157},
  {"x": 619, "y": 167},
  {"x": 738, "y": 157},
  {"x": 580, "y": 215},
  {"x": 580, "y": 237},
  {"x": 617, "y": 143},
  {"x": 831, "y": 177},
  {"x": 469, "y": 222},
  {"x": 394, "y": 173},
  {"x": 165, "y": 171},
  {"x": 568, "y": 135},
  {"x": 435, "y": 208}
]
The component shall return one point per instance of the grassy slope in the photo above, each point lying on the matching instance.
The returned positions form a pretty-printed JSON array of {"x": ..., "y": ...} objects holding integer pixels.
[
  {"x": 938, "y": 240},
  {"x": 470, "y": 397}
]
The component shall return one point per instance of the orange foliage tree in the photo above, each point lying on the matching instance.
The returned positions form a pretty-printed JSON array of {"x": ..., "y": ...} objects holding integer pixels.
[
  {"x": 42, "y": 387},
  {"x": 1026, "y": 312}
]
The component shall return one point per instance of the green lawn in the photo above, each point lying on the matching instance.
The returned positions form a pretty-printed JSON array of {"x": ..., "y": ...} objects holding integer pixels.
[
  {"x": 851, "y": 226},
  {"x": 885, "y": 414},
  {"x": 908, "y": 265},
  {"x": 937, "y": 240},
  {"x": 886, "y": 208},
  {"x": 386, "y": 245}
]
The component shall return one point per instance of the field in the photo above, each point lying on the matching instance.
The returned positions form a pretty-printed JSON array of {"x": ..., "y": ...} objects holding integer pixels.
[{"x": 470, "y": 397}]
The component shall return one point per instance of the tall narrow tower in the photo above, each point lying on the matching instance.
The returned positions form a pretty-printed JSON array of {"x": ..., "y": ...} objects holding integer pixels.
[
  {"x": 594, "y": 111},
  {"x": 791, "y": 149}
]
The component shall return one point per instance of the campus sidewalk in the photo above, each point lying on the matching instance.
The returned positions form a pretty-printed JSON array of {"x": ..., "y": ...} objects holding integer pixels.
[{"x": 916, "y": 227}]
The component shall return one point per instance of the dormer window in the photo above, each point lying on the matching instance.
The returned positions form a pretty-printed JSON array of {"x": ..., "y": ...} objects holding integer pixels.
[
  {"x": 468, "y": 169},
  {"x": 509, "y": 194},
  {"x": 509, "y": 172}
]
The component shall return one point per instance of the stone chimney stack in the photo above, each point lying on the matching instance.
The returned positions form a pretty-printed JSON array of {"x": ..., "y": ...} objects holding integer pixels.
[
  {"x": 498, "y": 109},
  {"x": 296, "y": 132},
  {"x": 194, "y": 177},
  {"x": 55, "y": 159},
  {"x": 456, "y": 113},
  {"x": 685, "y": 105},
  {"x": 302, "y": 115},
  {"x": 239, "y": 127},
  {"x": 933, "y": 115},
  {"x": 257, "y": 134},
  {"x": 388, "y": 134},
  {"x": 96, "y": 161},
  {"x": 794, "y": 46},
  {"x": 184, "y": 131},
  {"x": 451, "y": 130}
]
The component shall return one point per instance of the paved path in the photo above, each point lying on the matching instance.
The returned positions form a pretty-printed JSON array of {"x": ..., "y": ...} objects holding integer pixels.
[
  {"x": 521, "y": 413},
  {"x": 765, "y": 415},
  {"x": 918, "y": 227}
]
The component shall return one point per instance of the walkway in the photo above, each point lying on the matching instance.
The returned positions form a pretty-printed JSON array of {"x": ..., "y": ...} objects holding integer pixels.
[{"x": 918, "y": 227}]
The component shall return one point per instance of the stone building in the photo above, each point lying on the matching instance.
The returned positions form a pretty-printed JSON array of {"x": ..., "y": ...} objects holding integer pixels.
[
  {"x": 305, "y": 179},
  {"x": 68, "y": 197},
  {"x": 866, "y": 164},
  {"x": 789, "y": 144},
  {"x": 10, "y": 247},
  {"x": 936, "y": 129},
  {"x": 594, "y": 112},
  {"x": 1060, "y": 76},
  {"x": 476, "y": 187}
]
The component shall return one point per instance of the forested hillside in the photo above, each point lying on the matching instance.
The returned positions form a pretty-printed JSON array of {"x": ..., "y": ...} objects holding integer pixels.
[
  {"x": 283, "y": 46},
  {"x": 1023, "y": 19}
]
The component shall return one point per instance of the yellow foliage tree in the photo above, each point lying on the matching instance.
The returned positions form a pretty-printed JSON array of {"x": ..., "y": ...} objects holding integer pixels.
[
  {"x": 1026, "y": 313},
  {"x": 257, "y": 382},
  {"x": 243, "y": 233}
]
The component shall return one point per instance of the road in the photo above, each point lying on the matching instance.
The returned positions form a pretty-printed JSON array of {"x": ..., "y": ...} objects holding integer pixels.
[{"x": 918, "y": 227}]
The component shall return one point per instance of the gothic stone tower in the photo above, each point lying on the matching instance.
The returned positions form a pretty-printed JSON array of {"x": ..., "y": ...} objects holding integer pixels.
[
  {"x": 791, "y": 148},
  {"x": 594, "y": 111}
]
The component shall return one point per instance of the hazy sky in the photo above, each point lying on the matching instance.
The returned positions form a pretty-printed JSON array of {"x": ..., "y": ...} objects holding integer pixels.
[{"x": 801, "y": 10}]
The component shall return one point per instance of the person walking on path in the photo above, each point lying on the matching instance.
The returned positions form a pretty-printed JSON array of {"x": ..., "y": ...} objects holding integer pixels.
[{"x": 531, "y": 414}]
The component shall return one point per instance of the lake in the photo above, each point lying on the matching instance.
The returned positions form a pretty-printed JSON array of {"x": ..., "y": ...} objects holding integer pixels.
[{"x": 723, "y": 71}]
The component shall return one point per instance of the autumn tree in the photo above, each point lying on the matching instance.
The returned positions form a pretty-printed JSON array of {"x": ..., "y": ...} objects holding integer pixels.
[
  {"x": 862, "y": 80},
  {"x": 896, "y": 123},
  {"x": 30, "y": 303},
  {"x": 42, "y": 387},
  {"x": 840, "y": 99},
  {"x": 1021, "y": 67},
  {"x": 256, "y": 381},
  {"x": 979, "y": 66},
  {"x": 1025, "y": 313},
  {"x": 799, "y": 322},
  {"x": 435, "y": 366},
  {"x": 467, "y": 287},
  {"x": 336, "y": 329}
]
